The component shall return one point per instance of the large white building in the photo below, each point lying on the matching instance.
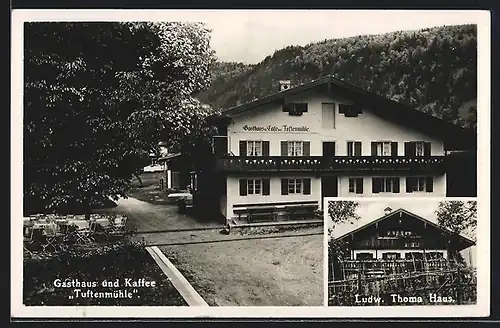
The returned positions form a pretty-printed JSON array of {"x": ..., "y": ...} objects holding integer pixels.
[{"x": 325, "y": 138}]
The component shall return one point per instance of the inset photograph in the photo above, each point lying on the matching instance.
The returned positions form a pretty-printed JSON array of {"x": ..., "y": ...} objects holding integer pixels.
[{"x": 402, "y": 252}]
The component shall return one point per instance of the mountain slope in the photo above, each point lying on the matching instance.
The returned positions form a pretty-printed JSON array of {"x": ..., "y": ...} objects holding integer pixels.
[{"x": 433, "y": 70}]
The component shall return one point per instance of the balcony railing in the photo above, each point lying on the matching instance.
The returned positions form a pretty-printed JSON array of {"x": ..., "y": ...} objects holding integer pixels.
[
  {"x": 329, "y": 164},
  {"x": 403, "y": 264}
]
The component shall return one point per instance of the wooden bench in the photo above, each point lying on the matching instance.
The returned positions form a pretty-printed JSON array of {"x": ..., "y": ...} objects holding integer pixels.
[
  {"x": 257, "y": 213},
  {"x": 301, "y": 211},
  {"x": 264, "y": 212}
]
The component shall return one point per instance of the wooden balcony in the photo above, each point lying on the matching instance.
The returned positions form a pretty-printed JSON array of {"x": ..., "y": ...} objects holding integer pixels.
[
  {"x": 233, "y": 164},
  {"x": 393, "y": 265}
]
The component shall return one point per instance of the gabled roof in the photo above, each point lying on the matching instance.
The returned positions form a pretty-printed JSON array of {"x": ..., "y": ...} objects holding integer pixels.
[
  {"x": 354, "y": 228},
  {"x": 379, "y": 105}
]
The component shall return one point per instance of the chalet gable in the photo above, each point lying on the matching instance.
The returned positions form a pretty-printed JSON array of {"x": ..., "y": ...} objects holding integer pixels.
[{"x": 402, "y": 223}]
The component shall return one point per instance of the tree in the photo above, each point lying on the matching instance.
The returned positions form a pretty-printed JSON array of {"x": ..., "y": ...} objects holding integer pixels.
[
  {"x": 342, "y": 211},
  {"x": 98, "y": 99},
  {"x": 458, "y": 217}
]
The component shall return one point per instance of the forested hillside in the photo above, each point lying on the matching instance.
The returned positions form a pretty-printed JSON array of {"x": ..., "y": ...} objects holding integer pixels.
[{"x": 433, "y": 70}]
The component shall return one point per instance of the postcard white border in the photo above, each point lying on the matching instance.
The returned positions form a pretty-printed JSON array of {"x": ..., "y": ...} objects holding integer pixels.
[{"x": 18, "y": 310}]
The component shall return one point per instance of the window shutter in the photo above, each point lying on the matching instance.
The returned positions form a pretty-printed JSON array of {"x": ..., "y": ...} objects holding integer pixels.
[
  {"x": 408, "y": 151},
  {"x": 284, "y": 148},
  {"x": 243, "y": 148},
  {"x": 306, "y": 148},
  {"x": 266, "y": 187},
  {"x": 284, "y": 186},
  {"x": 429, "y": 181},
  {"x": 342, "y": 108},
  {"x": 427, "y": 149},
  {"x": 265, "y": 148},
  {"x": 301, "y": 107},
  {"x": 243, "y": 187},
  {"x": 359, "y": 185},
  {"x": 374, "y": 148},
  {"x": 396, "y": 186},
  {"x": 357, "y": 148},
  {"x": 394, "y": 148},
  {"x": 375, "y": 185},
  {"x": 409, "y": 182},
  {"x": 307, "y": 186},
  {"x": 286, "y": 107}
]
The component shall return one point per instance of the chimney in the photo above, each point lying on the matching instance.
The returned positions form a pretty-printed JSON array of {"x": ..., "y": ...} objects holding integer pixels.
[
  {"x": 387, "y": 210},
  {"x": 285, "y": 85}
]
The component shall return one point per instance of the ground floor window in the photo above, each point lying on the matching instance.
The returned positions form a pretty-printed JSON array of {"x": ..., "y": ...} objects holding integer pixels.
[
  {"x": 296, "y": 186},
  {"x": 356, "y": 185},
  {"x": 414, "y": 255},
  {"x": 254, "y": 187},
  {"x": 391, "y": 256},
  {"x": 364, "y": 256},
  {"x": 385, "y": 184},
  {"x": 419, "y": 184},
  {"x": 434, "y": 255}
]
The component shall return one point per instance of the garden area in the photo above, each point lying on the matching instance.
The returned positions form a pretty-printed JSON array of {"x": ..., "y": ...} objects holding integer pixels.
[{"x": 72, "y": 261}]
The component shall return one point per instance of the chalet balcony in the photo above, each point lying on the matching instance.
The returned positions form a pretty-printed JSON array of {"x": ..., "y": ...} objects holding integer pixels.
[
  {"x": 400, "y": 265},
  {"x": 233, "y": 164}
]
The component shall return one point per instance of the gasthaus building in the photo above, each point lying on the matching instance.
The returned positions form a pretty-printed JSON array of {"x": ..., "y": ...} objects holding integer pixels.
[{"x": 278, "y": 156}]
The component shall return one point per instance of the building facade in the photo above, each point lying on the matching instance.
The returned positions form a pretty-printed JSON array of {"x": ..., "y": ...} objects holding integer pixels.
[
  {"x": 326, "y": 139},
  {"x": 397, "y": 242}
]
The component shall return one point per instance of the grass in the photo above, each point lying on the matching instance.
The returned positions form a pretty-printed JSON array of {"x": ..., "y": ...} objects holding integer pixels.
[{"x": 97, "y": 266}]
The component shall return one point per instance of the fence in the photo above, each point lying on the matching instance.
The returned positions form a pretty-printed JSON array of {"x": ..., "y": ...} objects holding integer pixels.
[{"x": 449, "y": 284}]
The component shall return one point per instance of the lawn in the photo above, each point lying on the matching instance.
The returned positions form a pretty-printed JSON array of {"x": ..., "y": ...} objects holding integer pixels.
[{"x": 104, "y": 275}]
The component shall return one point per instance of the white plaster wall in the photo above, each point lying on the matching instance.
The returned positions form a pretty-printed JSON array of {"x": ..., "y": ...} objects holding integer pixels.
[
  {"x": 233, "y": 192},
  {"x": 367, "y": 127},
  {"x": 439, "y": 187}
]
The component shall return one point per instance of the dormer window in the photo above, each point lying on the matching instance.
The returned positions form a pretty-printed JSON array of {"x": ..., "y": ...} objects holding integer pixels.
[
  {"x": 295, "y": 109},
  {"x": 350, "y": 110}
]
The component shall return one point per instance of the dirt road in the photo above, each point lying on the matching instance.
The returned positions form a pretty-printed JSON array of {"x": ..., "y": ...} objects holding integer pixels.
[{"x": 277, "y": 271}]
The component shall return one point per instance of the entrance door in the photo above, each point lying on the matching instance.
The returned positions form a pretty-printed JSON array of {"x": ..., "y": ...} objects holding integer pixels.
[
  {"x": 328, "y": 148},
  {"x": 328, "y": 187}
]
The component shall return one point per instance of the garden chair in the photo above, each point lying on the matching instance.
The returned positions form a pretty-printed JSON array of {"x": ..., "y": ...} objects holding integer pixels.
[
  {"x": 83, "y": 232},
  {"x": 118, "y": 226},
  {"x": 52, "y": 236}
]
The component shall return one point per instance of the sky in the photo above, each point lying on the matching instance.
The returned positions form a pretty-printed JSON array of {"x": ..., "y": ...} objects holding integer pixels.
[{"x": 251, "y": 35}]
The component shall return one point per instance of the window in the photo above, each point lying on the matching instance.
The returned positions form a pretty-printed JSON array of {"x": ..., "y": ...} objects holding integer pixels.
[
  {"x": 417, "y": 148},
  {"x": 354, "y": 148},
  {"x": 384, "y": 148},
  {"x": 434, "y": 255},
  {"x": 364, "y": 256},
  {"x": 350, "y": 110},
  {"x": 414, "y": 255},
  {"x": 296, "y": 186},
  {"x": 412, "y": 244},
  {"x": 254, "y": 148},
  {"x": 419, "y": 184},
  {"x": 295, "y": 109},
  {"x": 385, "y": 184},
  {"x": 391, "y": 256},
  {"x": 356, "y": 185},
  {"x": 254, "y": 187},
  {"x": 295, "y": 148}
]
